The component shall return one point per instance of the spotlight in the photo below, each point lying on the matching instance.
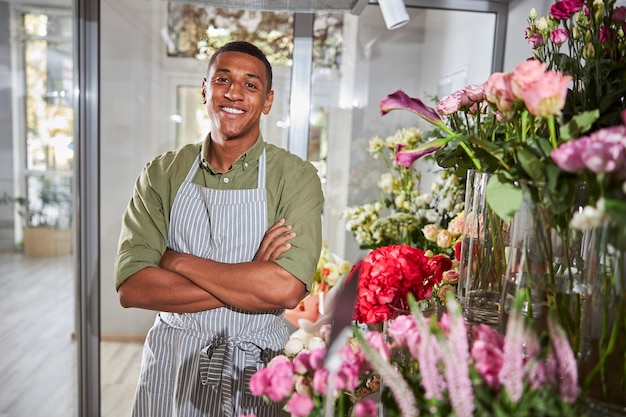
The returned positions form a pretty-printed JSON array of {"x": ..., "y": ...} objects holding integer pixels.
[{"x": 394, "y": 13}]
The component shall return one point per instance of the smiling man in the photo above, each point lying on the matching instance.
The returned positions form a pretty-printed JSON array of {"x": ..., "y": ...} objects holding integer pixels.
[{"x": 220, "y": 238}]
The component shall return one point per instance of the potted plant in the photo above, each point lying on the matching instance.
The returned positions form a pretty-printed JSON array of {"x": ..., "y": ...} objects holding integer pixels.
[{"x": 47, "y": 219}]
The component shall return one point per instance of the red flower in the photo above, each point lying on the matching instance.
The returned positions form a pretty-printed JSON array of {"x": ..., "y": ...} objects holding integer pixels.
[{"x": 389, "y": 274}]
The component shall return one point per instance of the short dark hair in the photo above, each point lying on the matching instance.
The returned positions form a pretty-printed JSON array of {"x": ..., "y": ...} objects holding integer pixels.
[{"x": 246, "y": 48}]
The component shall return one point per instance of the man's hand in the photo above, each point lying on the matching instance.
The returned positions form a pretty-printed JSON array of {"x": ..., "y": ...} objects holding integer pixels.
[{"x": 275, "y": 242}]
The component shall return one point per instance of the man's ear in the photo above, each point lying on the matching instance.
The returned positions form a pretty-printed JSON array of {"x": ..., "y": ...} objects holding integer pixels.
[
  {"x": 204, "y": 90},
  {"x": 269, "y": 100}
]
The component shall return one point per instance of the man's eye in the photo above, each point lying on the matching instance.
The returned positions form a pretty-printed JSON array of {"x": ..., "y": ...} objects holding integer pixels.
[
  {"x": 250, "y": 85},
  {"x": 221, "y": 80}
]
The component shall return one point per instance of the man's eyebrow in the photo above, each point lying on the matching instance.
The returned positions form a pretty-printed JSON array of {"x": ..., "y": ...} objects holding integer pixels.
[{"x": 227, "y": 71}]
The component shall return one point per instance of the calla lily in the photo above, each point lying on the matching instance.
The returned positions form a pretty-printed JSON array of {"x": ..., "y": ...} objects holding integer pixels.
[
  {"x": 408, "y": 156},
  {"x": 399, "y": 100}
]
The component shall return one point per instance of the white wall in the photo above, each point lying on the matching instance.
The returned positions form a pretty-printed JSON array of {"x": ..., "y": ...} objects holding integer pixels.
[
  {"x": 517, "y": 49},
  {"x": 129, "y": 91}
]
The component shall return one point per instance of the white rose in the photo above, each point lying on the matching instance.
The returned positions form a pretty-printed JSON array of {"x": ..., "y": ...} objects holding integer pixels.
[
  {"x": 316, "y": 342},
  {"x": 294, "y": 346},
  {"x": 430, "y": 232},
  {"x": 444, "y": 239}
]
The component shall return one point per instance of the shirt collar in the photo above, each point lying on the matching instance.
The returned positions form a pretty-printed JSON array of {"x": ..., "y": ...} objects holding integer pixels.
[{"x": 245, "y": 160}]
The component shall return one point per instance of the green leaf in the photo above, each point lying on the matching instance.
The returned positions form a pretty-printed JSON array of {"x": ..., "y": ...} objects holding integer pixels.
[
  {"x": 504, "y": 198},
  {"x": 579, "y": 124},
  {"x": 532, "y": 165}
]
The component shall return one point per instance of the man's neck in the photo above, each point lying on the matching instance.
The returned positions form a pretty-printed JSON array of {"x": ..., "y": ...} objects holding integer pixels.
[{"x": 221, "y": 154}]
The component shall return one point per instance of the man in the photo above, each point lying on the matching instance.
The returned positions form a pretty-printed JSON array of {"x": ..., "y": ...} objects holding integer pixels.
[{"x": 195, "y": 245}]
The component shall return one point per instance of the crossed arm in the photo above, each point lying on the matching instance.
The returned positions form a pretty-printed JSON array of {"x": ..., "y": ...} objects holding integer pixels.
[{"x": 185, "y": 283}]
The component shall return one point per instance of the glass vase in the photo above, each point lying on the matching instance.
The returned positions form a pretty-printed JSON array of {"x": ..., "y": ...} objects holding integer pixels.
[
  {"x": 602, "y": 352},
  {"x": 482, "y": 260},
  {"x": 545, "y": 265}
]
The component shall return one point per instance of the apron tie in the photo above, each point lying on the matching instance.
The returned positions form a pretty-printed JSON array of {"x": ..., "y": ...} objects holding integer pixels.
[{"x": 217, "y": 357}]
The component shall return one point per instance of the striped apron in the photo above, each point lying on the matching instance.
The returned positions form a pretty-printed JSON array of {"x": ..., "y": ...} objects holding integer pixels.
[{"x": 199, "y": 364}]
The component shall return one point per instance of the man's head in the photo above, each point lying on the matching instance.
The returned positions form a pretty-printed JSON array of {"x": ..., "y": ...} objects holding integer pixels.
[
  {"x": 237, "y": 92},
  {"x": 246, "y": 48}
]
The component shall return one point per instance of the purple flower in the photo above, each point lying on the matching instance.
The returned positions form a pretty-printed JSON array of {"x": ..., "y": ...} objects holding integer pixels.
[
  {"x": 407, "y": 157},
  {"x": 400, "y": 100}
]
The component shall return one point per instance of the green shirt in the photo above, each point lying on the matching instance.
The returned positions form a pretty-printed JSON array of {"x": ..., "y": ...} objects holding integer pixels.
[{"x": 293, "y": 192}]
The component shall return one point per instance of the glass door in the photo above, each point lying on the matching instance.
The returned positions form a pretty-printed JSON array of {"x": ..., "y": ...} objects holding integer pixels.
[{"x": 38, "y": 365}]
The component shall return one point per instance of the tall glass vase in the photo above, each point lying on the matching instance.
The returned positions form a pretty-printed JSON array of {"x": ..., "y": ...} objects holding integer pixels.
[
  {"x": 602, "y": 353},
  {"x": 482, "y": 257}
]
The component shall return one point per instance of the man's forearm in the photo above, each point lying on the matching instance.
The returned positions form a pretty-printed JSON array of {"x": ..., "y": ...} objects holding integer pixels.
[
  {"x": 161, "y": 290},
  {"x": 253, "y": 286}
]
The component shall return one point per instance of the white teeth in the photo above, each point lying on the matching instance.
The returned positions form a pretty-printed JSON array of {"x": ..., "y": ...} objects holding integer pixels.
[{"x": 232, "y": 111}]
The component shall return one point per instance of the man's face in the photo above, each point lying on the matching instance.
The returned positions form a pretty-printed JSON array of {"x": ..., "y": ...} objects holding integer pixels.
[{"x": 235, "y": 94}]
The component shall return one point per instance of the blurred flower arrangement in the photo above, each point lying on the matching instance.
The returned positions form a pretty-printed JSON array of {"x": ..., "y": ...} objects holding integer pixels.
[
  {"x": 428, "y": 366},
  {"x": 403, "y": 214},
  {"x": 444, "y": 374},
  {"x": 553, "y": 129}
]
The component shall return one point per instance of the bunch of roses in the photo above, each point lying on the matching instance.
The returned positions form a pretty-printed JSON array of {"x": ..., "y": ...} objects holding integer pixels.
[
  {"x": 585, "y": 39},
  {"x": 301, "y": 381},
  {"x": 513, "y": 374},
  {"x": 387, "y": 275},
  {"x": 506, "y": 126}
]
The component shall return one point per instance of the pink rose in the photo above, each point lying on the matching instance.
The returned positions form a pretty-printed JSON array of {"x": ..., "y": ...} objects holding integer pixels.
[
  {"x": 605, "y": 34},
  {"x": 619, "y": 15},
  {"x": 365, "y": 408},
  {"x": 535, "y": 40},
  {"x": 525, "y": 74},
  {"x": 320, "y": 378},
  {"x": 378, "y": 342},
  {"x": 546, "y": 96},
  {"x": 487, "y": 352},
  {"x": 258, "y": 382},
  {"x": 299, "y": 405},
  {"x": 559, "y": 36},
  {"x": 317, "y": 358},
  {"x": 450, "y": 104},
  {"x": 564, "y": 9},
  {"x": 475, "y": 92},
  {"x": 450, "y": 277},
  {"x": 498, "y": 91},
  {"x": 301, "y": 362},
  {"x": 400, "y": 327}
]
